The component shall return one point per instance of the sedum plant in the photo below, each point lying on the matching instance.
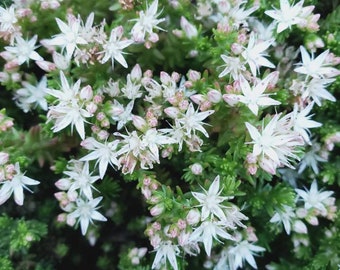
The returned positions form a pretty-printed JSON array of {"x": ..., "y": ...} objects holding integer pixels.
[{"x": 169, "y": 134}]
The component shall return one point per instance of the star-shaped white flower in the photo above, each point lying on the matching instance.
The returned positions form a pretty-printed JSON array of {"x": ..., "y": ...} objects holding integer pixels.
[
  {"x": 210, "y": 201},
  {"x": 254, "y": 97},
  {"x": 24, "y": 50},
  {"x": 287, "y": 16},
  {"x": 314, "y": 198},
  {"x": 316, "y": 67},
  {"x": 244, "y": 251},
  {"x": 192, "y": 121},
  {"x": 208, "y": 231},
  {"x": 255, "y": 54},
  {"x": 316, "y": 90},
  {"x": 284, "y": 216},
  {"x": 86, "y": 212},
  {"x": 16, "y": 185},
  {"x": 166, "y": 251},
  {"x": 233, "y": 65},
  {"x": 69, "y": 37},
  {"x": 8, "y": 19},
  {"x": 113, "y": 48},
  {"x": 103, "y": 153}
]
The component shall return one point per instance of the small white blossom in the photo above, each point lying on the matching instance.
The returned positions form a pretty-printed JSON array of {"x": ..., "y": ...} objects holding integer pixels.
[
  {"x": 287, "y": 16},
  {"x": 16, "y": 185},
  {"x": 284, "y": 216},
  {"x": 314, "y": 198},
  {"x": 233, "y": 65},
  {"x": 8, "y": 19},
  {"x": 316, "y": 67},
  {"x": 113, "y": 48},
  {"x": 166, "y": 251},
  {"x": 311, "y": 159},
  {"x": 254, "y": 54},
  {"x": 24, "y": 50},
  {"x": 244, "y": 251},
  {"x": 120, "y": 114},
  {"x": 86, "y": 212},
  {"x": 31, "y": 96},
  {"x": 316, "y": 90},
  {"x": 210, "y": 200}
]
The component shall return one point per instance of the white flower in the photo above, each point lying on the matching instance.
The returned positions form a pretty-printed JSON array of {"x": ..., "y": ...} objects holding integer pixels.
[
  {"x": 82, "y": 180},
  {"x": 233, "y": 65},
  {"x": 316, "y": 68},
  {"x": 166, "y": 251},
  {"x": 314, "y": 198},
  {"x": 120, "y": 114},
  {"x": 244, "y": 251},
  {"x": 146, "y": 22},
  {"x": 287, "y": 16},
  {"x": 113, "y": 49},
  {"x": 311, "y": 159},
  {"x": 31, "y": 96},
  {"x": 103, "y": 153},
  {"x": 24, "y": 50},
  {"x": 86, "y": 211},
  {"x": 316, "y": 90},
  {"x": 239, "y": 15},
  {"x": 285, "y": 217},
  {"x": 254, "y": 97},
  {"x": 69, "y": 37},
  {"x": 301, "y": 121},
  {"x": 8, "y": 19},
  {"x": 207, "y": 231},
  {"x": 254, "y": 54},
  {"x": 192, "y": 121},
  {"x": 16, "y": 185},
  {"x": 210, "y": 200}
]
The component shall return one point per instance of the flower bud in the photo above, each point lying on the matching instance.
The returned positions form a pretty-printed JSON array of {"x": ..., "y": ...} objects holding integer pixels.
[
  {"x": 86, "y": 93},
  {"x": 172, "y": 112},
  {"x": 3, "y": 158},
  {"x": 214, "y": 96},
  {"x": 193, "y": 217},
  {"x": 194, "y": 75},
  {"x": 189, "y": 29},
  {"x": 157, "y": 210},
  {"x": 136, "y": 73},
  {"x": 139, "y": 123},
  {"x": 299, "y": 227},
  {"x": 231, "y": 99},
  {"x": 196, "y": 169},
  {"x": 63, "y": 184}
]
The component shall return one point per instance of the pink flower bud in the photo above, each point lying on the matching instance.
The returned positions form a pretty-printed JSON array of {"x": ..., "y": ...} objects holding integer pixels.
[
  {"x": 193, "y": 217},
  {"x": 60, "y": 195},
  {"x": 72, "y": 195},
  {"x": 175, "y": 76},
  {"x": 214, "y": 96},
  {"x": 252, "y": 169},
  {"x": 3, "y": 158},
  {"x": 301, "y": 212},
  {"x": 236, "y": 48},
  {"x": 181, "y": 224},
  {"x": 194, "y": 75},
  {"x": 70, "y": 220},
  {"x": 156, "y": 226},
  {"x": 146, "y": 181},
  {"x": 100, "y": 116},
  {"x": 61, "y": 218},
  {"x": 157, "y": 210},
  {"x": 165, "y": 78},
  {"x": 139, "y": 122},
  {"x": 86, "y": 93},
  {"x": 153, "y": 37},
  {"x": 189, "y": 29},
  {"x": 146, "y": 192},
  {"x": 136, "y": 73},
  {"x": 172, "y": 112},
  {"x": 231, "y": 99},
  {"x": 46, "y": 65},
  {"x": 299, "y": 227},
  {"x": 103, "y": 135},
  {"x": 63, "y": 184},
  {"x": 312, "y": 220},
  {"x": 198, "y": 98},
  {"x": 91, "y": 108},
  {"x": 196, "y": 169}
]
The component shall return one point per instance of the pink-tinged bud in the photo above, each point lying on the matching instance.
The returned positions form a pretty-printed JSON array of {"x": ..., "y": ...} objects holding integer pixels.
[
  {"x": 299, "y": 227},
  {"x": 193, "y": 53},
  {"x": 231, "y": 99},
  {"x": 183, "y": 238},
  {"x": 103, "y": 135},
  {"x": 196, "y": 169},
  {"x": 16, "y": 77},
  {"x": 86, "y": 93},
  {"x": 10, "y": 169},
  {"x": 312, "y": 220},
  {"x": 116, "y": 110},
  {"x": 252, "y": 169},
  {"x": 273, "y": 79},
  {"x": 242, "y": 38},
  {"x": 46, "y": 65},
  {"x": 172, "y": 112},
  {"x": 301, "y": 212},
  {"x": 173, "y": 231},
  {"x": 100, "y": 116},
  {"x": 182, "y": 224},
  {"x": 251, "y": 158},
  {"x": 7, "y": 56},
  {"x": 205, "y": 105},
  {"x": 148, "y": 73},
  {"x": 198, "y": 98},
  {"x": 88, "y": 144},
  {"x": 153, "y": 37},
  {"x": 135, "y": 261},
  {"x": 24, "y": 12},
  {"x": 193, "y": 217},
  {"x": 4, "y": 77},
  {"x": 61, "y": 218},
  {"x": 155, "y": 199},
  {"x": 268, "y": 165},
  {"x": 251, "y": 236},
  {"x": 154, "y": 186},
  {"x": 175, "y": 76},
  {"x": 165, "y": 78},
  {"x": 91, "y": 108},
  {"x": 178, "y": 33},
  {"x": 72, "y": 195},
  {"x": 98, "y": 99},
  {"x": 11, "y": 65},
  {"x": 146, "y": 181},
  {"x": 236, "y": 48},
  {"x": 155, "y": 240},
  {"x": 60, "y": 61},
  {"x": 136, "y": 73},
  {"x": 148, "y": 44},
  {"x": 183, "y": 105},
  {"x": 157, "y": 210},
  {"x": 156, "y": 226},
  {"x": 63, "y": 183},
  {"x": 146, "y": 192},
  {"x": 60, "y": 195},
  {"x": 188, "y": 84},
  {"x": 194, "y": 75},
  {"x": 189, "y": 29},
  {"x": 139, "y": 123},
  {"x": 214, "y": 96},
  {"x": 70, "y": 220},
  {"x": 105, "y": 123},
  {"x": 3, "y": 158}
]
